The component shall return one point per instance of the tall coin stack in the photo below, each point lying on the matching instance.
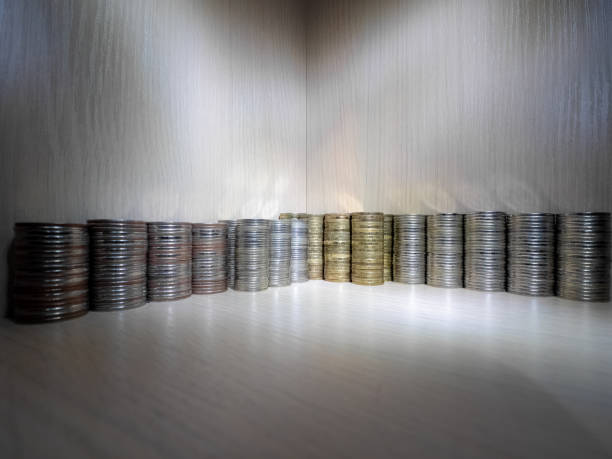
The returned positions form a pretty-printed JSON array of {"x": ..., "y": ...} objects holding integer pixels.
[
  {"x": 118, "y": 278},
  {"x": 315, "y": 247},
  {"x": 388, "y": 247},
  {"x": 485, "y": 251},
  {"x": 209, "y": 272},
  {"x": 409, "y": 249},
  {"x": 169, "y": 261},
  {"x": 445, "y": 250},
  {"x": 367, "y": 248},
  {"x": 299, "y": 250},
  {"x": 531, "y": 254},
  {"x": 280, "y": 253},
  {"x": 252, "y": 255},
  {"x": 583, "y": 256},
  {"x": 50, "y": 271},
  {"x": 231, "y": 251},
  {"x": 337, "y": 247}
]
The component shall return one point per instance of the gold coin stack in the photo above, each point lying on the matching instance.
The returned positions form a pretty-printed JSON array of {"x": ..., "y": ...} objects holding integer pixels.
[
  {"x": 315, "y": 247},
  {"x": 367, "y": 248},
  {"x": 337, "y": 247},
  {"x": 388, "y": 247},
  {"x": 287, "y": 216}
]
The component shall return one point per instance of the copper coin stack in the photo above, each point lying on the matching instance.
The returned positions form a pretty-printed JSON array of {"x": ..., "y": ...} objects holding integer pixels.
[
  {"x": 118, "y": 270},
  {"x": 445, "y": 250},
  {"x": 209, "y": 271},
  {"x": 315, "y": 247},
  {"x": 485, "y": 251},
  {"x": 231, "y": 251},
  {"x": 50, "y": 264},
  {"x": 409, "y": 249},
  {"x": 367, "y": 248},
  {"x": 337, "y": 247},
  {"x": 169, "y": 261},
  {"x": 388, "y": 247},
  {"x": 583, "y": 256}
]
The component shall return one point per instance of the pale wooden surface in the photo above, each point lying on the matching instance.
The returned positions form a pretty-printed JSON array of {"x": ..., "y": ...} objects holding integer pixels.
[
  {"x": 429, "y": 106},
  {"x": 152, "y": 109},
  {"x": 314, "y": 370}
]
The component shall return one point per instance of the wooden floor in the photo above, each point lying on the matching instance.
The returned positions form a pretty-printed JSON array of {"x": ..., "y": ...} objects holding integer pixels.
[{"x": 314, "y": 370}]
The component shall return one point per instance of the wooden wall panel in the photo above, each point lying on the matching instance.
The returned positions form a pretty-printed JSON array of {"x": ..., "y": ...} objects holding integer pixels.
[
  {"x": 151, "y": 109},
  {"x": 427, "y": 106}
]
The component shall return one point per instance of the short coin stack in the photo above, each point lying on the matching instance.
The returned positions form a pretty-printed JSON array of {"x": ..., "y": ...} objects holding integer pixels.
[
  {"x": 337, "y": 247},
  {"x": 583, "y": 256},
  {"x": 485, "y": 251},
  {"x": 118, "y": 277},
  {"x": 315, "y": 247},
  {"x": 280, "y": 253},
  {"x": 231, "y": 251},
  {"x": 445, "y": 250},
  {"x": 50, "y": 271},
  {"x": 252, "y": 255},
  {"x": 388, "y": 247},
  {"x": 299, "y": 250},
  {"x": 531, "y": 254},
  {"x": 409, "y": 250},
  {"x": 209, "y": 272},
  {"x": 169, "y": 266},
  {"x": 367, "y": 248}
]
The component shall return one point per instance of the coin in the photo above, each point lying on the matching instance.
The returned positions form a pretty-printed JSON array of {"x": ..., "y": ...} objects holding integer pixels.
[
  {"x": 388, "y": 247},
  {"x": 409, "y": 254},
  {"x": 280, "y": 253},
  {"x": 49, "y": 266},
  {"x": 118, "y": 264},
  {"x": 209, "y": 254},
  {"x": 315, "y": 247},
  {"x": 299, "y": 250},
  {"x": 583, "y": 256},
  {"x": 231, "y": 251},
  {"x": 252, "y": 255},
  {"x": 445, "y": 250},
  {"x": 485, "y": 251},
  {"x": 337, "y": 247},
  {"x": 367, "y": 248}
]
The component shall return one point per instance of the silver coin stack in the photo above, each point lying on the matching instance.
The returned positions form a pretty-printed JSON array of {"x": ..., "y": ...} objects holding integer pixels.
[
  {"x": 299, "y": 250},
  {"x": 280, "y": 253},
  {"x": 445, "y": 250},
  {"x": 209, "y": 272},
  {"x": 531, "y": 254},
  {"x": 485, "y": 251},
  {"x": 50, "y": 271},
  {"x": 583, "y": 256},
  {"x": 409, "y": 250},
  {"x": 252, "y": 255},
  {"x": 118, "y": 271},
  {"x": 169, "y": 261},
  {"x": 231, "y": 251}
]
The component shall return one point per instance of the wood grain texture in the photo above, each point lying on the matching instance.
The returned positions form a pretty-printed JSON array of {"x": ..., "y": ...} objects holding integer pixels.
[
  {"x": 314, "y": 370},
  {"x": 427, "y": 106},
  {"x": 152, "y": 109}
]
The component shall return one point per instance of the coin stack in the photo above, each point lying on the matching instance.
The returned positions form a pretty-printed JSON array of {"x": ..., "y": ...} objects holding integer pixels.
[
  {"x": 337, "y": 247},
  {"x": 287, "y": 216},
  {"x": 50, "y": 271},
  {"x": 315, "y": 247},
  {"x": 299, "y": 250},
  {"x": 409, "y": 249},
  {"x": 583, "y": 256},
  {"x": 209, "y": 253},
  {"x": 367, "y": 248},
  {"x": 231, "y": 251},
  {"x": 531, "y": 254},
  {"x": 169, "y": 261},
  {"x": 485, "y": 251},
  {"x": 280, "y": 253},
  {"x": 252, "y": 255},
  {"x": 118, "y": 277},
  {"x": 388, "y": 247},
  {"x": 445, "y": 250}
]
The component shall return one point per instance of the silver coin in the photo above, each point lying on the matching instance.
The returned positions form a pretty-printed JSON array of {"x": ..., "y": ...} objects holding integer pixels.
[
  {"x": 409, "y": 249},
  {"x": 445, "y": 250}
]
